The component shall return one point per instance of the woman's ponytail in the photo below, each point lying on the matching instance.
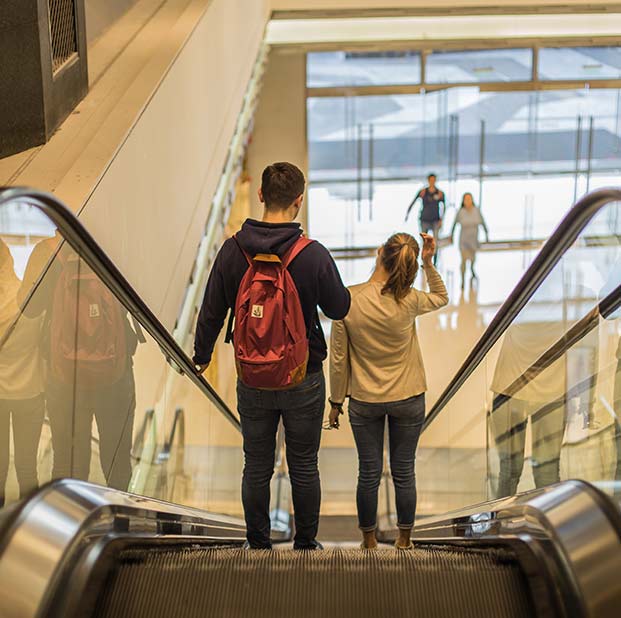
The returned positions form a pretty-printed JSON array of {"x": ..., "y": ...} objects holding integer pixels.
[{"x": 399, "y": 259}]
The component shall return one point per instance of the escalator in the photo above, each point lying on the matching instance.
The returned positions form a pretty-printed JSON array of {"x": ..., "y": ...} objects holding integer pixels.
[{"x": 134, "y": 544}]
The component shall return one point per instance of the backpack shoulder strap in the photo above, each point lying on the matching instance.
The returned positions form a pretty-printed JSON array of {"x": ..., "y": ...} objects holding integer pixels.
[
  {"x": 301, "y": 243},
  {"x": 248, "y": 258},
  {"x": 229, "y": 328}
]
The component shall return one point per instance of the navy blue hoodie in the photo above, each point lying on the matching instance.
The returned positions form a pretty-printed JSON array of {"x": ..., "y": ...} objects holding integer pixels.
[{"x": 313, "y": 271}]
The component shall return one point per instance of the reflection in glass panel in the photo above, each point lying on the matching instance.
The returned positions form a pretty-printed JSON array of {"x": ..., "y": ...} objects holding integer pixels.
[
  {"x": 566, "y": 396},
  {"x": 86, "y": 393},
  {"x": 490, "y": 65},
  {"x": 580, "y": 63},
  {"x": 543, "y": 406},
  {"x": 341, "y": 68}
]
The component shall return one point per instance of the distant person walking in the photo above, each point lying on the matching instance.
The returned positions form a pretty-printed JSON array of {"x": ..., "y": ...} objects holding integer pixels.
[
  {"x": 431, "y": 214},
  {"x": 376, "y": 359},
  {"x": 470, "y": 219}
]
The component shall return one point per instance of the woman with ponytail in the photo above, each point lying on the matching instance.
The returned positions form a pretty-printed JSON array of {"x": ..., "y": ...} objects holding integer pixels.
[{"x": 375, "y": 359}]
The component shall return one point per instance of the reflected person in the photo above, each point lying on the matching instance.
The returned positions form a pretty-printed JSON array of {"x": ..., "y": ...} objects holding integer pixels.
[
  {"x": 523, "y": 392},
  {"x": 21, "y": 384},
  {"x": 88, "y": 346}
]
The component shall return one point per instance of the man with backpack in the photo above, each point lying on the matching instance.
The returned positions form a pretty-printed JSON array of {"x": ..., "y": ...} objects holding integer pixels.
[
  {"x": 272, "y": 279},
  {"x": 87, "y": 344}
]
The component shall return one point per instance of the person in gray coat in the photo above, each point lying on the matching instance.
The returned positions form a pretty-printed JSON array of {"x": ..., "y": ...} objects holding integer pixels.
[{"x": 470, "y": 219}]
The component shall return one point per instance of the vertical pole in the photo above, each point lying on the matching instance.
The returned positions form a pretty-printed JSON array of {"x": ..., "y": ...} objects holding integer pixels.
[
  {"x": 450, "y": 150},
  {"x": 481, "y": 161},
  {"x": 578, "y": 153},
  {"x": 423, "y": 68},
  {"x": 452, "y": 167},
  {"x": 590, "y": 153},
  {"x": 535, "y": 68},
  {"x": 618, "y": 121},
  {"x": 533, "y": 106},
  {"x": 359, "y": 171},
  {"x": 455, "y": 153},
  {"x": 424, "y": 148},
  {"x": 371, "y": 166}
]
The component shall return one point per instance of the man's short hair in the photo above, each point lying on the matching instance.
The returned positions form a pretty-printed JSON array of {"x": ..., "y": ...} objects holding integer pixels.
[
  {"x": 431, "y": 175},
  {"x": 281, "y": 184}
]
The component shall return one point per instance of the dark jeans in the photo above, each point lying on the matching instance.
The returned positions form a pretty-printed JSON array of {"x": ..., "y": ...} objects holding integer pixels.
[
  {"x": 434, "y": 227},
  {"x": 301, "y": 409},
  {"x": 71, "y": 417},
  {"x": 405, "y": 421},
  {"x": 27, "y": 417}
]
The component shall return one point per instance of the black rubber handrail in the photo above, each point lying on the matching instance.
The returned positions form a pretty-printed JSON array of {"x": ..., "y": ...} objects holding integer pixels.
[
  {"x": 81, "y": 240},
  {"x": 552, "y": 251}
]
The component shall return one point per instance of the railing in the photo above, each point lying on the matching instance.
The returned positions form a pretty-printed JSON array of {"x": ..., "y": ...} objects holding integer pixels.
[
  {"x": 549, "y": 256},
  {"x": 80, "y": 239}
]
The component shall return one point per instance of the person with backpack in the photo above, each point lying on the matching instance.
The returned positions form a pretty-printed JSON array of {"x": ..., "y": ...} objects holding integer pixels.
[
  {"x": 375, "y": 359},
  {"x": 87, "y": 345},
  {"x": 272, "y": 279}
]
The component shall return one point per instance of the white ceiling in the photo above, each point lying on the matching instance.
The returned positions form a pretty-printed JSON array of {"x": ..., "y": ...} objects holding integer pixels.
[{"x": 472, "y": 27}]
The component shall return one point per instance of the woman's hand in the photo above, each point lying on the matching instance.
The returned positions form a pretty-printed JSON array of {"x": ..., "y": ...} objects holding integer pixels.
[
  {"x": 429, "y": 248},
  {"x": 333, "y": 418}
]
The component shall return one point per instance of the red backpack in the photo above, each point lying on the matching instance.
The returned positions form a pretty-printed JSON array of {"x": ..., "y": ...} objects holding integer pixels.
[
  {"x": 270, "y": 336},
  {"x": 88, "y": 338}
]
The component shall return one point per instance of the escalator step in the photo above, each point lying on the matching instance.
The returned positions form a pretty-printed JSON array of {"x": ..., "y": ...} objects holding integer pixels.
[{"x": 233, "y": 583}]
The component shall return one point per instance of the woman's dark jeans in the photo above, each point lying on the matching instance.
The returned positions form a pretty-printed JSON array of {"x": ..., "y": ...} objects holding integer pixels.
[
  {"x": 405, "y": 421},
  {"x": 301, "y": 409}
]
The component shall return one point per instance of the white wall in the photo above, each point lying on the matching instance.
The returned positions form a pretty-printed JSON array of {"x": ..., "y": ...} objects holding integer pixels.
[
  {"x": 149, "y": 208},
  {"x": 101, "y": 14},
  {"x": 280, "y": 121}
]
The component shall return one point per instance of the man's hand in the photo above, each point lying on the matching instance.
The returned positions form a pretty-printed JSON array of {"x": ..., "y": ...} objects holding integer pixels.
[
  {"x": 333, "y": 417},
  {"x": 429, "y": 249}
]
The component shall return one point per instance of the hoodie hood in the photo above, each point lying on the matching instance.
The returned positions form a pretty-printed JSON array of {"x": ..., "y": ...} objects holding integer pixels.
[{"x": 272, "y": 238}]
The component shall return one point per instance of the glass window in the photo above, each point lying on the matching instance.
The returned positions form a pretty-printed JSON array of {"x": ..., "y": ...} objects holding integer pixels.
[
  {"x": 580, "y": 63},
  {"x": 490, "y": 65},
  {"x": 329, "y": 69}
]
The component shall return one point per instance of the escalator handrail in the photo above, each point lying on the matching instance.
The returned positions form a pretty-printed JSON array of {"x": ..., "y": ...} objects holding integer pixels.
[
  {"x": 83, "y": 242},
  {"x": 548, "y": 257}
]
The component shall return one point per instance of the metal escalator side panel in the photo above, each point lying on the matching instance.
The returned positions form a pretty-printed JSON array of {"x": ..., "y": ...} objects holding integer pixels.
[
  {"x": 579, "y": 538},
  {"x": 46, "y": 539}
]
